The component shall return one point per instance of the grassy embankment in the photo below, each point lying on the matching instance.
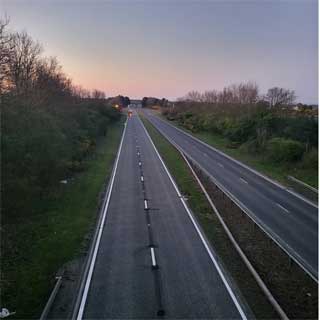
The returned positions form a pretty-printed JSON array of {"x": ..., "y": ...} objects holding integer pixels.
[
  {"x": 211, "y": 225},
  {"x": 261, "y": 163},
  {"x": 39, "y": 246}
]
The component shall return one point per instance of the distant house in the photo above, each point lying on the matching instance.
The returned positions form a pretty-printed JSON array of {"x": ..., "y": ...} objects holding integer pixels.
[{"x": 304, "y": 107}]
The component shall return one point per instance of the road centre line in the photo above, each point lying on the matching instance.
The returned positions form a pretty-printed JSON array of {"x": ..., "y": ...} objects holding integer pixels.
[
  {"x": 243, "y": 180},
  {"x": 282, "y": 207},
  {"x": 153, "y": 258}
]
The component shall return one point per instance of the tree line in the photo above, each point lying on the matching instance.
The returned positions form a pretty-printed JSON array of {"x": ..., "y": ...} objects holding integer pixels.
[
  {"x": 243, "y": 93},
  {"x": 49, "y": 126},
  {"x": 264, "y": 125},
  {"x": 151, "y": 101}
]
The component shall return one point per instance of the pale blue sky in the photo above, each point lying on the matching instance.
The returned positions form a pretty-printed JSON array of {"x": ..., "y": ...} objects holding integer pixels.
[{"x": 167, "y": 48}]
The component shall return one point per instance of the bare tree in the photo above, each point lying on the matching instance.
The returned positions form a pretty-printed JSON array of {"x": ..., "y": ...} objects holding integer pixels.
[
  {"x": 23, "y": 61},
  {"x": 210, "y": 96},
  {"x": 248, "y": 93},
  {"x": 49, "y": 80},
  {"x": 243, "y": 93},
  {"x": 98, "y": 94},
  {"x": 5, "y": 53},
  {"x": 193, "y": 96},
  {"x": 280, "y": 96},
  {"x": 80, "y": 92},
  {"x": 226, "y": 96}
]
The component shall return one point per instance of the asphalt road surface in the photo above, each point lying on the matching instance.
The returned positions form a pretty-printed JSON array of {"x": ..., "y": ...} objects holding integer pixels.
[
  {"x": 290, "y": 220},
  {"x": 152, "y": 261}
]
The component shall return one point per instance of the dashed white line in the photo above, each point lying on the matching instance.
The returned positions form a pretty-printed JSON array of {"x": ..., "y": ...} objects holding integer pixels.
[
  {"x": 153, "y": 257},
  {"x": 138, "y": 153},
  {"x": 145, "y": 204},
  {"x": 244, "y": 181},
  {"x": 142, "y": 179},
  {"x": 217, "y": 266},
  {"x": 139, "y": 164},
  {"x": 282, "y": 207},
  {"x": 221, "y": 165}
]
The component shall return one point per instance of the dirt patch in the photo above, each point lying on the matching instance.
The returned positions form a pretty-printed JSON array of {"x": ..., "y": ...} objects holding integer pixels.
[{"x": 294, "y": 290}]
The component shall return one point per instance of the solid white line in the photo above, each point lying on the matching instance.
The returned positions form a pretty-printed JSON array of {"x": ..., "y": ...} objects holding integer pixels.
[
  {"x": 231, "y": 293},
  {"x": 142, "y": 179},
  {"x": 153, "y": 257},
  {"x": 303, "y": 183},
  {"x": 280, "y": 242},
  {"x": 260, "y": 282},
  {"x": 95, "y": 252},
  {"x": 245, "y": 181},
  {"x": 283, "y": 208},
  {"x": 145, "y": 204},
  {"x": 240, "y": 164}
]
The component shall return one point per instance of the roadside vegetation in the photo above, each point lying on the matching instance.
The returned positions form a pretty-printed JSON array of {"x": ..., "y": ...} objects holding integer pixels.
[
  {"x": 211, "y": 226},
  {"x": 270, "y": 133},
  {"x": 58, "y": 143}
]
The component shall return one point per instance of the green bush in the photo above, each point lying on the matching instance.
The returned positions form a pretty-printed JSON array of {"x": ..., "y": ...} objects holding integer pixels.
[
  {"x": 241, "y": 130},
  {"x": 310, "y": 159},
  {"x": 251, "y": 146},
  {"x": 42, "y": 145},
  {"x": 284, "y": 150}
]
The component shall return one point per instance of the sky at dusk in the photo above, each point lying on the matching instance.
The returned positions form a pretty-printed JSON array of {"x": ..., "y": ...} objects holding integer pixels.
[{"x": 167, "y": 48}]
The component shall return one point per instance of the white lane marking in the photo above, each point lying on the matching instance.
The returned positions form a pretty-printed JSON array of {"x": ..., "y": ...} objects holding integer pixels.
[
  {"x": 145, "y": 204},
  {"x": 95, "y": 252},
  {"x": 138, "y": 153},
  {"x": 153, "y": 257},
  {"x": 282, "y": 207},
  {"x": 139, "y": 164},
  {"x": 241, "y": 164},
  {"x": 280, "y": 242},
  {"x": 244, "y": 181},
  {"x": 217, "y": 266},
  {"x": 239, "y": 250},
  {"x": 142, "y": 179},
  {"x": 205, "y": 154},
  {"x": 221, "y": 165}
]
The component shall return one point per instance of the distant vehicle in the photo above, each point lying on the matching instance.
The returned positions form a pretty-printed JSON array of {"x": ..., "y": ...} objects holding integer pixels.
[{"x": 129, "y": 113}]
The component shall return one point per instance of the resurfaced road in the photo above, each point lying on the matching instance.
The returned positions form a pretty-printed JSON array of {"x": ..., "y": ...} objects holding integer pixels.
[
  {"x": 292, "y": 221},
  {"x": 147, "y": 225}
]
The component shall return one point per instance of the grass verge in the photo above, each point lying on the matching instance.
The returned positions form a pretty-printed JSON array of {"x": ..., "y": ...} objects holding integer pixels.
[
  {"x": 279, "y": 171},
  {"x": 292, "y": 287},
  {"x": 35, "y": 248},
  {"x": 211, "y": 226}
]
